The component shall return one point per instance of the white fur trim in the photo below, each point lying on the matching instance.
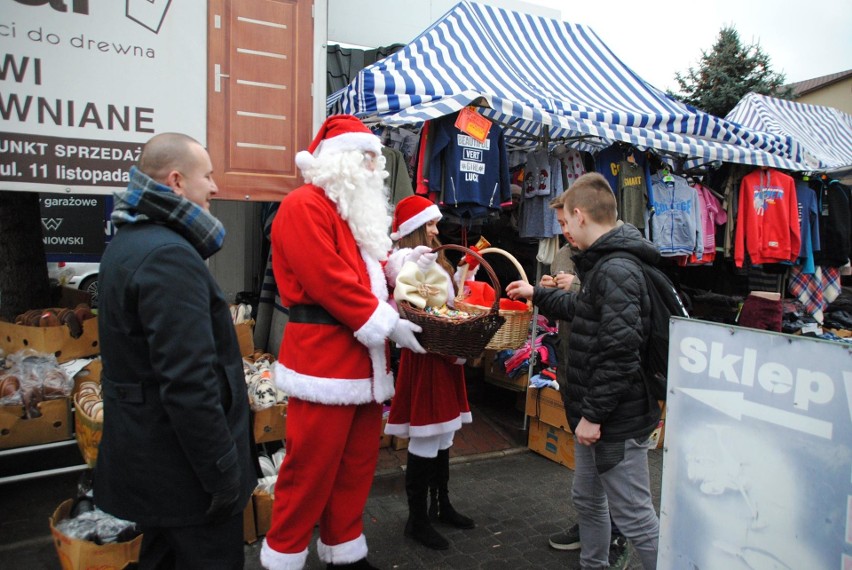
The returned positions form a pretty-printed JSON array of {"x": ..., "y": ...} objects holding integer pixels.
[
  {"x": 378, "y": 327},
  {"x": 274, "y": 560},
  {"x": 395, "y": 262},
  {"x": 304, "y": 160},
  {"x": 421, "y": 218},
  {"x": 383, "y": 387},
  {"x": 350, "y": 141},
  {"x": 332, "y": 391},
  {"x": 378, "y": 284},
  {"x": 344, "y": 553}
]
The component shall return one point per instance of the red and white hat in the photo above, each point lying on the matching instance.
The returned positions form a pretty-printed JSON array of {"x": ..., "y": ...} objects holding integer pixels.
[
  {"x": 411, "y": 213},
  {"x": 339, "y": 133}
]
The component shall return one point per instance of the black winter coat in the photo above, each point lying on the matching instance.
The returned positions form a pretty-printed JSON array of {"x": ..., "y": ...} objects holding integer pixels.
[
  {"x": 176, "y": 413},
  {"x": 609, "y": 322}
]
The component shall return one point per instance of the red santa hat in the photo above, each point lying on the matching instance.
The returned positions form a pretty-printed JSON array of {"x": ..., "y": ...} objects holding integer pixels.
[
  {"x": 411, "y": 213},
  {"x": 339, "y": 133}
]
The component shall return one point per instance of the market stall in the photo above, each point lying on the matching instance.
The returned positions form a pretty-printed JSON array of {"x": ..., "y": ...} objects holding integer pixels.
[
  {"x": 821, "y": 137},
  {"x": 543, "y": 79}
]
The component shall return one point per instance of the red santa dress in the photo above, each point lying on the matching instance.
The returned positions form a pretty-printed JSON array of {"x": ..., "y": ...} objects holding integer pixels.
[{"x": 431, "y": 396}]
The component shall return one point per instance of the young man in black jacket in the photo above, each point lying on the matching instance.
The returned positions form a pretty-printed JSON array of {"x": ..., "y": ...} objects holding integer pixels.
[{"x": 608, "y": 406}]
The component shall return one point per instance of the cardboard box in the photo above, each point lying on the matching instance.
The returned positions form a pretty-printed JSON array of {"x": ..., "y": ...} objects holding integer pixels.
[
  {"x": 76, "y": 554},
  {"x": 546, "y": 405},
  {"x": 89, "y": 373},
  {"x": 494, "y": 373},
  {"x": 554, "y": 443},
  {"x": 245, "y": 336},
  {"x": 53, "y": 425},
  {"x": 270, "y": 424},
  {"x": 249, "y": 529},
  {"x": 385, "y": 440},
  {"x": 399, "y": 443},
  {"x": 262, "y": 511},
  {"x": 55, "y": 340}
]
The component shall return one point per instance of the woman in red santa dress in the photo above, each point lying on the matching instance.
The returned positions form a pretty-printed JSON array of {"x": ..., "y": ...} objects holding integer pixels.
[{"x": 430, "y": 403}]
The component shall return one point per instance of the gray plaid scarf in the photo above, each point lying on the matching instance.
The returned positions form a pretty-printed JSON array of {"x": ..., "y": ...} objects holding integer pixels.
[{"x": 148, "y": 201}]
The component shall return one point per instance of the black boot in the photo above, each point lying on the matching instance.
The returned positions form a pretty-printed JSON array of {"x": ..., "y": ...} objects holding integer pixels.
[
  {"x": 357, "y": 565},
  {"x": 418, "y": 473},
  {"x": 441, "y": 508}
]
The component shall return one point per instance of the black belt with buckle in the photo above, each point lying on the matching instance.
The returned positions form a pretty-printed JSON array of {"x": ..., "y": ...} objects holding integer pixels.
[{"x": 311, "y": 314}]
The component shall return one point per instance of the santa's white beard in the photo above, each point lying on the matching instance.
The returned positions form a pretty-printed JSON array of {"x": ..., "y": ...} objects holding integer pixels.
[{"x": 360, "y": 196}]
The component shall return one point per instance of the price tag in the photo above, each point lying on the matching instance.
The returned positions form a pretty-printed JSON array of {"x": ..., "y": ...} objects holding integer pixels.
[{"x": 472, "y": 123}]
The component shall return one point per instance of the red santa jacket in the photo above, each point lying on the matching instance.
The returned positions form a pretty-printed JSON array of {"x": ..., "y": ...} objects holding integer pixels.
[{"x": 316, "y": 261}]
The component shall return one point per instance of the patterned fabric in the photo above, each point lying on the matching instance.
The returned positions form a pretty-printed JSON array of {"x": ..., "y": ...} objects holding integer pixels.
[
  {"x": 146, "y": 200},
  {"x": 830, "y": 283},
  {"x": 807, "y": 288},
  {"x": 815, "y": 291}
]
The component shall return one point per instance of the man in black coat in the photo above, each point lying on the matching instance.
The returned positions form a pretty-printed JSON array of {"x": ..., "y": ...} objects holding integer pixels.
[
  {"x": 176, "y": 453},
  {"x": 608, "y": 406}
]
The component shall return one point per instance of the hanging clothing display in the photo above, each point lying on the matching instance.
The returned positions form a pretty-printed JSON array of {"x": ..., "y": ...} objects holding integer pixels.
[
  {"x": 572, "y": 164},
  {"x": 468, "y": 173},
  {"x": 767, "y": 219},
  {"x": 815, "y": 291},
  {"x": 835, "y": 223},
  {"x": 398, "y": 181},
  {"x": 632, "y": 194},
  {"x": 675, "y": 226},
  {"x": 542, "y": 183},
  {"x": 712, "y": 214},
  {"x": 808, "y": 226}
]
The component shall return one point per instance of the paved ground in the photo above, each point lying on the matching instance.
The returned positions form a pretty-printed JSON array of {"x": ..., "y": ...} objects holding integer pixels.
[{"x": 517, "y": 498}]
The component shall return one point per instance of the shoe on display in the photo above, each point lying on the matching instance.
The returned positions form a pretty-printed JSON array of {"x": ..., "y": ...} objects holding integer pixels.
[{"x": 568, "y": 540}]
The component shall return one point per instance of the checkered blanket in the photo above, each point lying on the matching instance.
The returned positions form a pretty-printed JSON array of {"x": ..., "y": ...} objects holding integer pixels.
[{"x": 815, "y": 291}]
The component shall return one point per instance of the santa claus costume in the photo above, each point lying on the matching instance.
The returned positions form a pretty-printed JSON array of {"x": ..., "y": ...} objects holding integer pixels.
[
  {"x": 430, "y": 403},
  {"x": 328, "y": 239}
]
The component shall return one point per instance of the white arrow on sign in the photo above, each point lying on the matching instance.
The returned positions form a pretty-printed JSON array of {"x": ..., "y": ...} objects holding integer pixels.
[{"x": 736, "y": 406}]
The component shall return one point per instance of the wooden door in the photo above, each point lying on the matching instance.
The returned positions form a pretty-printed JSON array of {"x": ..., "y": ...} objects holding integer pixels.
[{"x": 259, "y": 106}]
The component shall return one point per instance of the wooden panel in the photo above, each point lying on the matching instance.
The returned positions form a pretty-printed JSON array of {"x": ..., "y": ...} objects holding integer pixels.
[{"x": 259, "y": 96}]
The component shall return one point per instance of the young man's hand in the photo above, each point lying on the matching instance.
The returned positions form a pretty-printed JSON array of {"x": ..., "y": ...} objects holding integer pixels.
[
  {"x": 587, "y": 433},
  {"x": 519, "y": 290}
]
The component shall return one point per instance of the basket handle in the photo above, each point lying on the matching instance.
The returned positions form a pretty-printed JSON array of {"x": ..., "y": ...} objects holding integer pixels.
[
  {"x": 491, "y": 275},
  {"x": 508, "y": 256}
]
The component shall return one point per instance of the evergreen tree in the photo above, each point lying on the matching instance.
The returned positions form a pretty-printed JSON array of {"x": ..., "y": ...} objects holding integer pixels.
[{"x": 727, "y": 74}]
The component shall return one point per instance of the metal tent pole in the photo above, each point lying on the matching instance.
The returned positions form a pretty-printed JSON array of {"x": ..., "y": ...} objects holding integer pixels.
[{"x": 533, "y": 353}]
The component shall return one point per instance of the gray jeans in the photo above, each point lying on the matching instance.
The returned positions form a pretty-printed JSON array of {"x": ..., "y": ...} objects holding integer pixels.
[{"x": 612, "y": 477}]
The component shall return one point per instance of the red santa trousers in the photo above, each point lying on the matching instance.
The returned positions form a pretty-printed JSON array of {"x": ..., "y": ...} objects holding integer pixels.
[{"x": 326, "y": 475}]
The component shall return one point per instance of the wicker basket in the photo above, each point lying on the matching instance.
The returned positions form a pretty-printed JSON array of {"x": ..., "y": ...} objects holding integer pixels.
[
  {"x": 462, "y": 338},
  {"x": 515, "y": 331}
]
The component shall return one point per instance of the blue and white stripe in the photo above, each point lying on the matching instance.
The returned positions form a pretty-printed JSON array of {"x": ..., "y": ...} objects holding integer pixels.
[
  {"x": 821, "y": 136},
  {"x": 537, "y": 73}
]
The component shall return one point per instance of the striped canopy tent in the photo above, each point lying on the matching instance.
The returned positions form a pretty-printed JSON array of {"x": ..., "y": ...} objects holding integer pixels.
[
  {"x": 543, "y": 80},
  {"x": 820, "y": 136}
]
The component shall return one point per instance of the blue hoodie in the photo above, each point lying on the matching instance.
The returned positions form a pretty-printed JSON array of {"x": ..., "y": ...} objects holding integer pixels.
[
  {"x": 465, "y": 171},
  {"x": 676, "y": 222}
]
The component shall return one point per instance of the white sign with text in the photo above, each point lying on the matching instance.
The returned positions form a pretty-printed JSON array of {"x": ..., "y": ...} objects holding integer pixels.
[
  {"x": 84, "y": 83},
  {"x": 757, "y": 472}
]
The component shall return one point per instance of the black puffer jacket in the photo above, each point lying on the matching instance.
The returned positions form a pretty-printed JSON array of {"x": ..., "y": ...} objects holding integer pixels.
[{"x": 609, "y": 320}]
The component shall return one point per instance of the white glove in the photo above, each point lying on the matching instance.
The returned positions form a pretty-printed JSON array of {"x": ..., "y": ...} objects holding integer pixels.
[
  {"x": 423, "y": 256},
  {"x": 403, "y": 335}
]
